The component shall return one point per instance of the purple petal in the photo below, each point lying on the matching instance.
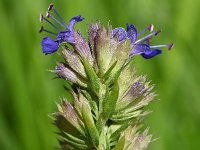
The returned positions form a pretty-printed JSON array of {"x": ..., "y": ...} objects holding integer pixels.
[
  {"x": 139, "y": 49},
  {"x": 151, "y": 53},
  {"x": 131, "y": 33},
  {"x": 73, "y": 21},
  {"x": 66, "y": 36},
  {"x": 121, "y": 33},
  {"x": 49, "y": 45}
]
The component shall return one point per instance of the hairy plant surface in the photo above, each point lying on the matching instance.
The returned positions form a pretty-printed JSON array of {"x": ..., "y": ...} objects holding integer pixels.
[{"x": 108, "y": 95}]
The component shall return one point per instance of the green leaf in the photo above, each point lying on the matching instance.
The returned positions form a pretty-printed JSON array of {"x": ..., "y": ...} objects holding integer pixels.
[
  {"x": 92, "y": 103},
  {"x": 94, "y": 81},
  {"x": 74, "y": 144},
  {"x": 115, "y": 135},
  {"x": 126, "y": 116},
  {"x": 102, "y": 140},
  {"x": 121, "y": 55},
  {"x": 109, "y": 102},
  {"x": 127, "y": 77},
  {"x": 112, "y": 79},
  {"x": 120, "y": 144},
  {"x": 74, "y": 139},
  {"x": 107, "y": 74},
  {"x": 104, "y": 48},
  {"x": 89, "y": 123}
]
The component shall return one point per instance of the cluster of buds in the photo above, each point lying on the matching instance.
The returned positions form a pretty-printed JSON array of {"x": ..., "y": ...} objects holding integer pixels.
[{"x": 108, "y": 95}]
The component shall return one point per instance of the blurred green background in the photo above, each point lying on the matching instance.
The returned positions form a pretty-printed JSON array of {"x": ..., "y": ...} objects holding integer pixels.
[{"x": 28, "y": 93}]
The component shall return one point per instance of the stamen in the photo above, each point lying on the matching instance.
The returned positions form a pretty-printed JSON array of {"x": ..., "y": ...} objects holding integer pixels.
[
  {"x": 169, "y": 46},
  {"x": 43, "y": 29},
  {"x": 48, "y": 15},
  {"x": 43, "y": 18},
  {"x": 149, "y": 28},
  {"x": 148, "y": 36},
  {"x": 158, "y": 31},
  {"x": 51, "y": 7}
]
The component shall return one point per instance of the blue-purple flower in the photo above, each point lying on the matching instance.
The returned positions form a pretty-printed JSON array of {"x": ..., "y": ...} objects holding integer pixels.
[
  {"x": 50, "y": 45},
  {"x": 140, "y": 46}
]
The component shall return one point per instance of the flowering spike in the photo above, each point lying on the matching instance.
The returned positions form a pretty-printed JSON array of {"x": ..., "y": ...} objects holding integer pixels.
[{"x": 108, "y": 95}]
